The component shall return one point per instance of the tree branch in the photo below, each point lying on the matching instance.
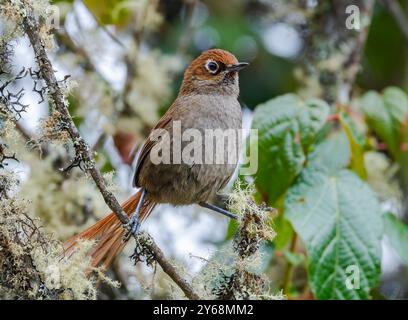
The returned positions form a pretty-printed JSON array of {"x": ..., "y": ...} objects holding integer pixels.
[
  {"x": 336, "y": 69},
  {"x": 83, "y": 151},
  {"x": 146, "y": 248}
]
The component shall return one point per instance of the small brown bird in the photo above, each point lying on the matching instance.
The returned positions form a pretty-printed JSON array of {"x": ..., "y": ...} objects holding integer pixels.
[{"x": 208, "y": 100}]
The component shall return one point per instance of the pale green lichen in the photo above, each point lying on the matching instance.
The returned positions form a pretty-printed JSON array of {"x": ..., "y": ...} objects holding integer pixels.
[
  {"x": 30, "y": 259},
  {"x": 257, "y": 218},
  {"x": 51, "y": 130},
  {"x": 234, "y": 271},
  {"x": 12, "y": 13},
  {"x": 63, "y": 203}
]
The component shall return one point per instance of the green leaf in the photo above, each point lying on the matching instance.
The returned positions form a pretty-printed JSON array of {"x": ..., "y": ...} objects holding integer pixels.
[
  {"x": 287, "y": 127},
  {"x": 333, "y": 153},
  {"x": 232, "y": 229},
  {"x": 385, "y": 115},
  {"x": 284, "y": 231},
  {"x": 377, "y": 116},
  {"x": 357, "y": 142},
  {"x": 397, "y": 102},
  {"x": 338, "y": 217},
  {"x": 397, "y": 233}
]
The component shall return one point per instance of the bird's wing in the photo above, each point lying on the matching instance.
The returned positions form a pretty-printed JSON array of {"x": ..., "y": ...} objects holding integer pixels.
[{"x": 148, "y": 145}]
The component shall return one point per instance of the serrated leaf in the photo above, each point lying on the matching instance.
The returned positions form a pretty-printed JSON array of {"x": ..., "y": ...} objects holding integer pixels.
[
  {"x": 356, "y": 142},
  {"x": 377, "y": 116},
  {"x": 333, "y": 153},
  {"x": 386, "y": 114},
  {"x": 397, "y": 233},
  {"x": 287, "y": 126},
  {"x": 397, "y": 102},
  {"x": 338, "y": 217}
]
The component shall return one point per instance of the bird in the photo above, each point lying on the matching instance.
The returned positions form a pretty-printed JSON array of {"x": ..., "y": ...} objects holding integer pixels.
[{"x": 207, "y": 101}]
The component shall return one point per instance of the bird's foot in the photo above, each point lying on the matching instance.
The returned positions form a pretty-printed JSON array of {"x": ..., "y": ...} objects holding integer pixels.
[{"x": 133, "y": 227}]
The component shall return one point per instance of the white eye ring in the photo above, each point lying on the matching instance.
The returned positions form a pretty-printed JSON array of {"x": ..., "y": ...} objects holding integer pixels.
[{"x": 212, "y": 66}]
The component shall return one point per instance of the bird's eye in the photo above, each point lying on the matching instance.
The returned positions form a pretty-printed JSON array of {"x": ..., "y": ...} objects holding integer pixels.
[{"x": 211, "y": 66}]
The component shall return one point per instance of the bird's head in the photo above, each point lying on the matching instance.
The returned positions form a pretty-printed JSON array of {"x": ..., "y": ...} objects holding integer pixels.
[{"x": 215, "y": 71}]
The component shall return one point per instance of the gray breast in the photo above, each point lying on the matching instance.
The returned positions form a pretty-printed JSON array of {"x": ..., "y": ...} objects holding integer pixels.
[{"x": 196, "y": 175}]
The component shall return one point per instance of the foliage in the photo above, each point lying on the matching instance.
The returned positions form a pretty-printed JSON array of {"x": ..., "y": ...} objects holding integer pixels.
[
  {"x": 287, "y": 127},
  {"x": 32, "y": 264},
  {"x": 331, "y": 207},
  {"x": 339, "y": 219}
]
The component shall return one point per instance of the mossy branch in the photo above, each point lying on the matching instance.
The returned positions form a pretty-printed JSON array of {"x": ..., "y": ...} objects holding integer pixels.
[
  {"x": 83, "y": 152},
  {"x": 82, "y": 149},
  {"x": 147, "y": 250},
  {"x": 239, "y": 280}
]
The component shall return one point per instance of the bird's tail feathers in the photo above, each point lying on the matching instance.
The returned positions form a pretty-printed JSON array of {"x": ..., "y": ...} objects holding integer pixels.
[{"x": 108, "y": 233}]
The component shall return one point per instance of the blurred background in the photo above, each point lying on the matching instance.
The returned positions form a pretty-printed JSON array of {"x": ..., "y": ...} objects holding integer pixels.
[{"x": 126, "y": 61}]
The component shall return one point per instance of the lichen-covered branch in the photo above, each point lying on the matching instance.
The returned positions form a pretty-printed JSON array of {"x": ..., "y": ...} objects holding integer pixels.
[
  {"x": 83, "y": 152},
  {"x": 4, "y": 157},
  {"x": 254, "y": 230},
  {"x": 146, "y": 249},
  {"x": 333, "y": 49},
  {"x": 236, "y": 272},
  {"x": 30, "y": 263}
]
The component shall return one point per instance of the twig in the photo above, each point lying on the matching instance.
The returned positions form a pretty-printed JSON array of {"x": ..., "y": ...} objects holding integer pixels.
[
  {"x": 23, "y": 131},
  {"x": 169, "y": 269},
  {"x": 253, "y": 231},
  {"x": 83, "y": 151},
  {"x": 4, "y": 157},
  {"x": 398, "y": 13},
  {"x": 150, "y": 250}
]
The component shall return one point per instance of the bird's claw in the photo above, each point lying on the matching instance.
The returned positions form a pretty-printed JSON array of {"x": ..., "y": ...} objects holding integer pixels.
[{"x": 132, "y": 227}]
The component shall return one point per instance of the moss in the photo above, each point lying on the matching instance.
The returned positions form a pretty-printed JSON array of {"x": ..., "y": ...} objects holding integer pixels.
[
  {"x": 12, "y": 14},
  {"x": 65, "y": 204},
  {"x": 230, "y": 272},
  {"x": 30, "y": 259},
  {"x": 52, "y": 130}
]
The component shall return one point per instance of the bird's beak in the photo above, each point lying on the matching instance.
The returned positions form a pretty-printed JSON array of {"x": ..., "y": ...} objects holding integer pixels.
[{"x": 236, "y": 67}]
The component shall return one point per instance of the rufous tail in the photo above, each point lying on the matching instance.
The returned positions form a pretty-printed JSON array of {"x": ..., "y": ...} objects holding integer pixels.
[{"x": 108, "y": 233}]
